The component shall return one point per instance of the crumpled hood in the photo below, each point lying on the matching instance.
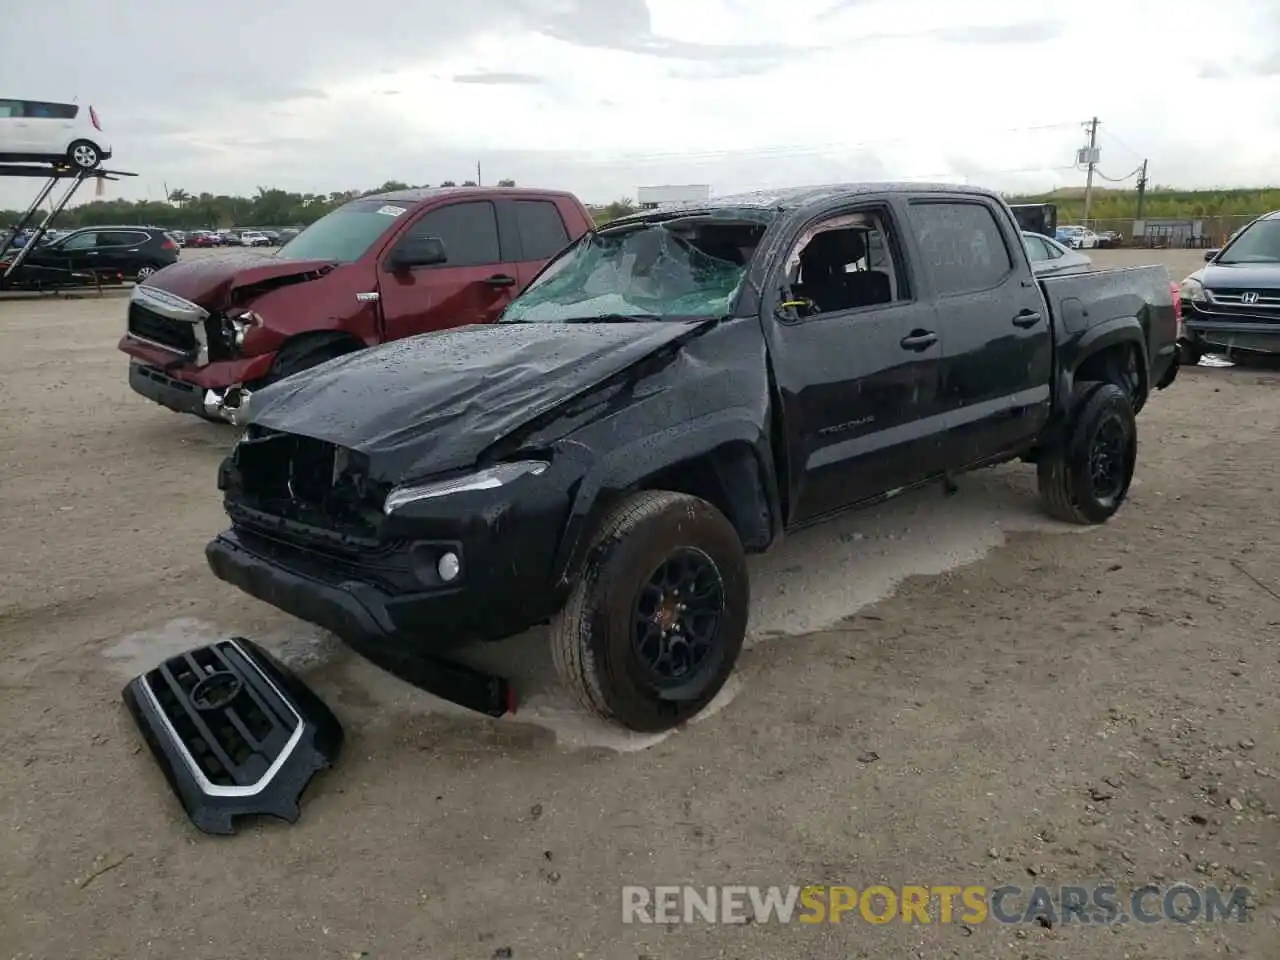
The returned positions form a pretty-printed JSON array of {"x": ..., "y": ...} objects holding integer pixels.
[
  {"x": 1260, "y": 276},
  {"x": 435, "y": 402},
  {"x": 211, "y": 281}
]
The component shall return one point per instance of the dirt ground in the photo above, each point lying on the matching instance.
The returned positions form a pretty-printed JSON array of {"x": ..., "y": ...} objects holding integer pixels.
[{"x": 997, "y": 700}]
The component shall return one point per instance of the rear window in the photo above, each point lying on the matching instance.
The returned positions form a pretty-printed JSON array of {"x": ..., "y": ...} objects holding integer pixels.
[
  {"x": 962, "y": 244},
  {"x": 542, "y": 230},
  {"x": 346, "y": 234},
  {"x": 39, "y": 110}
]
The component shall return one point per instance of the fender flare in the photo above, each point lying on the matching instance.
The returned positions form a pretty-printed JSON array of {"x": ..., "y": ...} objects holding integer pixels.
[
  {"x": 1108, "y": 333},
  {"x": 734, "y": 441}
]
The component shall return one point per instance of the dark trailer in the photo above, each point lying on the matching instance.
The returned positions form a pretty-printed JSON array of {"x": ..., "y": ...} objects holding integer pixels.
[{"x": 1041, "y": 218}]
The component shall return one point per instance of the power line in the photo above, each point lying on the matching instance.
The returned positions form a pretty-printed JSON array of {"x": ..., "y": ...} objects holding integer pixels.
[{"x": 784, "y": 151}]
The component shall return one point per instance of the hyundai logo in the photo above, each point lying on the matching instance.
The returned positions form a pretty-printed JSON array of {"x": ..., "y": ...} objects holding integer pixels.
[
  {"x": 1249, "y": 298},
  {"x": 215, "y": 691}
]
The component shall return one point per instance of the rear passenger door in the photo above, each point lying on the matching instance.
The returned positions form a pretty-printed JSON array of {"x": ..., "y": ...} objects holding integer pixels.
[
  {"x": 997, "y": 351},
  {"x": 120, "y": 250},
  {"x": 533, "y": 231},
  {"x": 474, "y": 285}
]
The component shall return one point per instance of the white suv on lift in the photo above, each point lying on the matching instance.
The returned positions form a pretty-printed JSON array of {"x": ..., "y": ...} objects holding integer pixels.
[{"x": 62, "y": 133}]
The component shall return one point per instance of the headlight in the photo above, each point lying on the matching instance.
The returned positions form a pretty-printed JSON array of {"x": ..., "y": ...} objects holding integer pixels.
[
  {"x": 241, "y": 324},
  {"x": 1192, "y": 289},
  {"x": 487, "y": 479}
]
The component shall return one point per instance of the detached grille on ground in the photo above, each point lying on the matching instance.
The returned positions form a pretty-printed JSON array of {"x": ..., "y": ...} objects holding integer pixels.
[{"x": 234, "y": 732}]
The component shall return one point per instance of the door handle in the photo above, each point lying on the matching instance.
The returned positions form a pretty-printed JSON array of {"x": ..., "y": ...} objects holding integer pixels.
[
  {"x": 919, "y": 340},
  {"x": 1027, "y": 318},
  {"x": 500, "y": 280}
]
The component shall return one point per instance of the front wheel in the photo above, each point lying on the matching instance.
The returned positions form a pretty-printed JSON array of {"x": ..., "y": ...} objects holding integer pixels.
[
  {"x": 1086, "y": 478},
  {"x": 656, "y": 622}
]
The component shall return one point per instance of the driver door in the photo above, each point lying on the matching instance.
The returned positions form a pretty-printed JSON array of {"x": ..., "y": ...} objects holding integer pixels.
[
  {"x": 78, "y": 252},
  {"x": 473, "y": 285}
]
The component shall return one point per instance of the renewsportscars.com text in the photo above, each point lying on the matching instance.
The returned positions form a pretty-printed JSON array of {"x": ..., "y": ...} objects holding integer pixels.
[{"x": 972, "y": 904}]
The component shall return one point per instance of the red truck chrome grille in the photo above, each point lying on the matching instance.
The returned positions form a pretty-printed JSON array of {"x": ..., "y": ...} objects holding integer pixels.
[{"x": 147, "y": 325}]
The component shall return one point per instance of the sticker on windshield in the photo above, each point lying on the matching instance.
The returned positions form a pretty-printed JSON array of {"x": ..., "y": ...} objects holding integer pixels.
[{"x": 390, "y": 211}]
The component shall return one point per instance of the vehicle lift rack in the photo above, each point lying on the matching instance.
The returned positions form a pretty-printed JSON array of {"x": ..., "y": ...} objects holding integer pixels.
[{"x": 52, "y": 173}]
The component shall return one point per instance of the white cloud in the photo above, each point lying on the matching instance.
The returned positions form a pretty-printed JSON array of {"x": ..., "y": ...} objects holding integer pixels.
[{"x": 602, "y": 97}]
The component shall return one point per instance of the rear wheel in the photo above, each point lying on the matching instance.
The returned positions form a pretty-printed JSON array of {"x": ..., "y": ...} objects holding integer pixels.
[
  {"x": 1086, "y": 478},
  {"x": 654, "y": 626},
  {"x": 145, "y": 271},
  {"x": 84, "y": 155}
]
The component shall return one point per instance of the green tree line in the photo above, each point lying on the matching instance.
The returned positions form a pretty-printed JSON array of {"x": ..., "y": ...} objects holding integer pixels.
[{"x": 270, "y": 207}]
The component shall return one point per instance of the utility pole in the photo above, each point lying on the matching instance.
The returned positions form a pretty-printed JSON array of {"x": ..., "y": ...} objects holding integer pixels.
[
  {"x": 1088, "y": 184},
  {"x": 1142, "y": 189},
  {"x": 478, "y": 183}
]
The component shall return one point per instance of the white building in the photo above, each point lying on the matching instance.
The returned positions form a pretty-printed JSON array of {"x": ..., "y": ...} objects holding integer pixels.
[{"x": 651, "y": 198}]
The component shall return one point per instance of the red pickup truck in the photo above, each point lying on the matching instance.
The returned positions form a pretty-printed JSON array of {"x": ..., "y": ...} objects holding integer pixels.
[{"x": 204, "y": 333}]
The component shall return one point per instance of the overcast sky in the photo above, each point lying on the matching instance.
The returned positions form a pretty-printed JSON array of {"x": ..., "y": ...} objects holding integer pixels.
[{"x": 600, "y": 96}]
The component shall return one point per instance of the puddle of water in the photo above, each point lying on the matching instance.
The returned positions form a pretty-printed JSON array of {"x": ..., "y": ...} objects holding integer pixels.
[{"x": 811, "y": 581}]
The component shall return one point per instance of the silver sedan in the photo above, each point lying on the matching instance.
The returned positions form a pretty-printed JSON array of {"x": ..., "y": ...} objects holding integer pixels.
[{"x": 1050, "y": 258}]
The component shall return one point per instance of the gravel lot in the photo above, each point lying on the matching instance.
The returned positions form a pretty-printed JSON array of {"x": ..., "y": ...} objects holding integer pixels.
[{"x": 939, "y": 691}]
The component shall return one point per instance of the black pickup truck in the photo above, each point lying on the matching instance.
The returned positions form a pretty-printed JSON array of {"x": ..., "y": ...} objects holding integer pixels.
[{"x": 674, "y": 391}]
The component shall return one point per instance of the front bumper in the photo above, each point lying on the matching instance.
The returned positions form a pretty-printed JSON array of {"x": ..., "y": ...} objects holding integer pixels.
[{"x": 1228, "y": 334}]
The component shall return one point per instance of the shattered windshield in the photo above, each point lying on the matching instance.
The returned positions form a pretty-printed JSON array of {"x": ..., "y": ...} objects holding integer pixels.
[
  {"x": 688, "y": 267},
  {"x": 1260, "y": 243}
]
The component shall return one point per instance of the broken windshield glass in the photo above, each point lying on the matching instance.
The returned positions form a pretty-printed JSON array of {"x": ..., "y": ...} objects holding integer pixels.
[{"x": 643, "y": 271}]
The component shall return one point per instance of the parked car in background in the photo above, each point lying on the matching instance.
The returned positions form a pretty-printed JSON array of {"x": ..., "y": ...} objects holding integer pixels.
[
  {"x": 678, "y": 389},
  {"x": 273, "y": 238},
  {"x": 206, "y": 334},
  {"x": 135, "y": 253},
  {"x": 203, "y": 239},
  {"x": 1232, "y": 304},
  {"x": 252, "y": 238},
  {"x": 1077, "y": 238},
  {"x": 1110, "y": 239},
  {"x": 62, "y": 133},
  {"x": 1050, "y": 258}
]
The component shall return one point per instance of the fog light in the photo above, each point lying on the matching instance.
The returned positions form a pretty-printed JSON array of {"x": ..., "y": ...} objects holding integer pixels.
[{"x": 449, "y": 566}]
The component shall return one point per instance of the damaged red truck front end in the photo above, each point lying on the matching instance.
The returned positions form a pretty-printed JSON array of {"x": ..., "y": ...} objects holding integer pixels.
[{"x": 204, "y": 334}]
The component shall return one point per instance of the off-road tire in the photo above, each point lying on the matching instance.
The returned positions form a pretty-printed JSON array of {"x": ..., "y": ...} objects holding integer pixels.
[
  {"x": 592, "y": 636},
  {"x": 1064, "y": 472}
]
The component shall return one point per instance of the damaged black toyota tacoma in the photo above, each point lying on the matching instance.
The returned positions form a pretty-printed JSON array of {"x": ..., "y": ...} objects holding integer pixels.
[{"x": 678, "y": 389}]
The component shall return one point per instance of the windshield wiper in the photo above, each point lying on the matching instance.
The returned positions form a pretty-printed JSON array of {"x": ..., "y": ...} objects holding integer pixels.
[{"x": 615, "y": 318}]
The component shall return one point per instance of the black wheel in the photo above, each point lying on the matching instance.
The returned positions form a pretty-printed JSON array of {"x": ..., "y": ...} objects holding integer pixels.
[
  {"x": 84, "y": 155},
  {"x": 1189, "y": 353},
  {"x": 145, "y": 271},
  {"x": 303, "y": 355},
  {"x": 1123, "y": 372},
  {"x": 1085, "y": 479},
  {"x": 654, "y": 626}
]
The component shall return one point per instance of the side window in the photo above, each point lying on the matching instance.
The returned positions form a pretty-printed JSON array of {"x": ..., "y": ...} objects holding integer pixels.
[
  {"x": 50, "y": 111},
  {"x": 119, "y": 238},
  {"x": 81, "y": 241},
  {"x": 844, "y": 263},
  {"x": 961, "y": 244},
  {"x": 542, "y": 230},
  {"x": 1037, "y": 249},
  {"x": 468, "y": 230},
  {"x": 10, "y": 109}
]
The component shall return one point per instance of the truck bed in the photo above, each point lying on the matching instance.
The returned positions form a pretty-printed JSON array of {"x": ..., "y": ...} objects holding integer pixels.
[{"x": 1086, "y": 305}]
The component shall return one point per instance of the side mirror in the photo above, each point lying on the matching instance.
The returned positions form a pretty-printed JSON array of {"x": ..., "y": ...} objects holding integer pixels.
[
  {"x": 418, "y": 252},
  {"x": 1210, "y": 254}
]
